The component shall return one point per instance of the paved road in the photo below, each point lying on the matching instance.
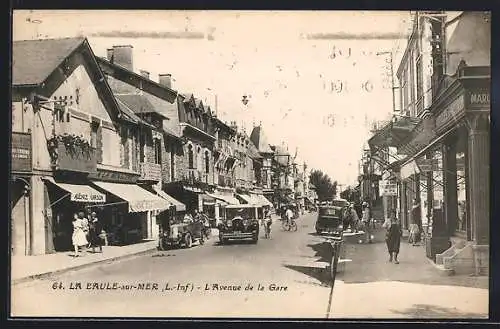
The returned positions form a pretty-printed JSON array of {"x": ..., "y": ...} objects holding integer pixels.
[
  {"x": 287, "y": 268},
  {"x": 280, "y": 270}
]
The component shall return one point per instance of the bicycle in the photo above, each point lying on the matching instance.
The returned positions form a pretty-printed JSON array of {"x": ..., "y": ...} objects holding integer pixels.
[{"x": 289, "y": 226}]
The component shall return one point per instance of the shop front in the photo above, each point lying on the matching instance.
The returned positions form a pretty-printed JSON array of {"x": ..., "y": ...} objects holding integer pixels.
[
  {"x": 452, "y": 163},
  {"x": 129, "y": 215},
  {"x": 65, "y": 201}
]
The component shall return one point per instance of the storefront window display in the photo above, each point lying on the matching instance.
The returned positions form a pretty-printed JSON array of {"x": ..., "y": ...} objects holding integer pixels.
[{"x": 462, "y": 220}]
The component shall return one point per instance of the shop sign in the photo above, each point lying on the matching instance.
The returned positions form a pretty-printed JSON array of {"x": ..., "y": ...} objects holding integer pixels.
[
  {"x": 478, "y": 98},
  {"x": 451, "y": 114},
  {"x": 88, "y": 197},
  {"x": 21, "y": 151},
  {"x": 114, "y": 176},
  {"x": 390, "y": 190},
  {"x": 427, "y": 165}
]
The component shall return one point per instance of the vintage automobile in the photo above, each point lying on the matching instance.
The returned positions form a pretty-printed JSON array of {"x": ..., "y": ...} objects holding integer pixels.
[
  {"x": 330, "y": 219},
  {"x": 182, "y": 235},
  {"x": 240, "y": 222}
]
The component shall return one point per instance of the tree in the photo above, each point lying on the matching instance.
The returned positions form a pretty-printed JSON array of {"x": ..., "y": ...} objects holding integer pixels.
[{"x": 325, "y": 188}]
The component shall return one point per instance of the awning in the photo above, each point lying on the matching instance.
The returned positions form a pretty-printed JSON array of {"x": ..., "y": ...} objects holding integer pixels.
[
  {"x": 80, "y": 192},
  {"x": 179, "y": 206},
  {"x": 263, "y": 200},
  {"x": 139, "y": 200},
  {"x": 409, "y": 169},
  {"x": 226, "y": 198},
  {"x": 250, "y": 199}
]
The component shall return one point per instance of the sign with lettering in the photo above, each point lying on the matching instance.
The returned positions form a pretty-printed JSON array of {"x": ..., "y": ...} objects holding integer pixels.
[
  {"x": 88, "y": 197},
  {"x": 114, "y": 176},
  {"x": 427, "y": 165},
  {"x": 451, "y": 114},
  {"x": 478, "y": 98},
  {"x": 21, "y": 152}
]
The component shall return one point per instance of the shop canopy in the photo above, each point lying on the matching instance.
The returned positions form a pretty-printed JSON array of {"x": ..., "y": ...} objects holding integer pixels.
[
  {"x": 80, "y": 192},
  {"x": 179, "y": 206},
  {"x": 263, "y": 200},
  {"x": 226, "y": 198},
  {"x": 138, "y": 199},
  {"x": 250, "y": 199}
]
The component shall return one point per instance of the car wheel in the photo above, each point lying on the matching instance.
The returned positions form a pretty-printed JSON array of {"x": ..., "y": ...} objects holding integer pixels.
[
  {"x": 188, "y": 240},
  {"x": 255, "y": 238},
  {"x": 202, "y": 240}
]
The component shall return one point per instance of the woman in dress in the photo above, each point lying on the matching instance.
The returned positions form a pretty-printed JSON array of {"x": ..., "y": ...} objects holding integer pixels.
[
  {"x": 95, "y": 232},
  {"x": 79, "y": 239},
  {"x": 393, "y": 236}
]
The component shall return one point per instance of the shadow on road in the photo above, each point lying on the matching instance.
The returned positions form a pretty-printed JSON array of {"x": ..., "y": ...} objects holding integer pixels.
[
  {"x": 323, "y": 253},
  {"x": 319, "y": 274},
  {"x": 424, "y": 311}
]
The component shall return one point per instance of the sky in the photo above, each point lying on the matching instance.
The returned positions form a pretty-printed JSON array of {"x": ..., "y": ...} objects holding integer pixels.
[{"x": 315, "y": 81}]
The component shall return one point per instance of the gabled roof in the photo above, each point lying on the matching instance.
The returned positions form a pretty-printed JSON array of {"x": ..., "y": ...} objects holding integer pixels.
[
  {"x": 260, "y": 140},
  {"x": 34, "y": 60},
  {"x": 188, "y": 97},
  {"x": 138, "y": 104},
  {"x": 199, "y": 104},
  {"x": 130, "y": 114}
]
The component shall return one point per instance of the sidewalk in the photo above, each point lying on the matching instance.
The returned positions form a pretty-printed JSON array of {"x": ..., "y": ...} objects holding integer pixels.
[
  {"x": 25, "y": 268},
  {"x": 371, "y": 286}
]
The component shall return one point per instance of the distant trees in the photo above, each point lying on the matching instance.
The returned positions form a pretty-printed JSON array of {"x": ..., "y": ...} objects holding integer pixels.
[{"x": 325, "y": 187}]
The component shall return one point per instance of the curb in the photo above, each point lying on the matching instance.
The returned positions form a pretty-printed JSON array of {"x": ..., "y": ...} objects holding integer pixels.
[{"x": 82, "y": 266}]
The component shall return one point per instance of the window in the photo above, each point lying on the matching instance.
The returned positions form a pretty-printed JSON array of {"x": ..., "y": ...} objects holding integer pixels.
[
  {"x": 190, "y": 156},
  {"x": 404, "y": 89},
  {"x": 207, "y": 162},
  {"x": 94, "y": 127},
  {"x": 420, "y": 79},
  {"x": 142, "y": 147},
  {"x": 157, "y": 149},
  {"x": 172, "y": 162}
]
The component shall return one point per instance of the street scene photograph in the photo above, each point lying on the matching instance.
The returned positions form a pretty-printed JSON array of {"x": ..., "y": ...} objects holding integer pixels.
[{"x": 250, "y": 164}]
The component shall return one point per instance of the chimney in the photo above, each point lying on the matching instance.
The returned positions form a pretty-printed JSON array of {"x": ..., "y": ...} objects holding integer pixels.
[
  {"x": 165, "y": 80},
  {"x": 144, "y": 73},
  {"x": 109, "y": 54},
  {"x": 122, "y": 56}
]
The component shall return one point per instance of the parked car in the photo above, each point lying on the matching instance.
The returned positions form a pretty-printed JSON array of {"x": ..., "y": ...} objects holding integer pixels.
[
  {"x": 241, "y": 222},
  {"x": 330, "y": 220},
  {"x": 183, "y": 235}
]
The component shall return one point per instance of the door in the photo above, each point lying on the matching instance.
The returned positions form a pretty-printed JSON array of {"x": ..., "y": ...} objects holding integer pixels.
[{"x": 19, "y": 220}]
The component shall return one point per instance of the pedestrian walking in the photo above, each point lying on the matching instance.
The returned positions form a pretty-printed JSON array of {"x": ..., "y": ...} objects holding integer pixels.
[
  {"x": 85, "y": 225},
  {"x": 393, "y": 236},
  {"x": 78, "y": 238},
  {"x": 95, "y": 233},
  {"x": 366, "y": 222},
  {"x": 416, "y": 224}
]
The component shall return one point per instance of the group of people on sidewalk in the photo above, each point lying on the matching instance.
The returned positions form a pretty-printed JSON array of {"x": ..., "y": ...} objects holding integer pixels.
[
  {"x": 355, "y": 224},
  {"x": 87, "y": 233}
]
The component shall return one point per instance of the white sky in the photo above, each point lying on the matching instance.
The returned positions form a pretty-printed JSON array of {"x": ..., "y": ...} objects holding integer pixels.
[{"x": 262, "y": 55}]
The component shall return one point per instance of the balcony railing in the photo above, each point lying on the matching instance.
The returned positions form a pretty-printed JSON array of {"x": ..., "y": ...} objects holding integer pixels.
[
  {"x": 150, "y": 172},
  {"x": 71, "y": 158}
]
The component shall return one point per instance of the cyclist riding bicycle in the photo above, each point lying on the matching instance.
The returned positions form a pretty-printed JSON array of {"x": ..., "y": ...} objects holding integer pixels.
[{"x": 289, "y": 216}]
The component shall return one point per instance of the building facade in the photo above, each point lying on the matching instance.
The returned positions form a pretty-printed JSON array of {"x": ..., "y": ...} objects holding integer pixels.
[
  {"x": 75, "y": 127},
  {"x": 445, "y": 149}
]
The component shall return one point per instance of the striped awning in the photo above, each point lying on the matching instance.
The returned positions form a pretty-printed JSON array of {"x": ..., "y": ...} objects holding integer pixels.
[
  {"x": 179, "y": 206},
  {"x": 138, "y": 199}
]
